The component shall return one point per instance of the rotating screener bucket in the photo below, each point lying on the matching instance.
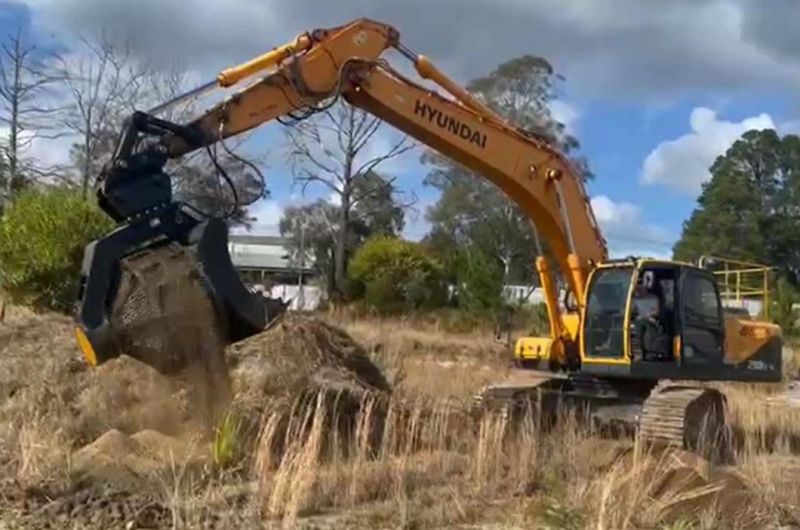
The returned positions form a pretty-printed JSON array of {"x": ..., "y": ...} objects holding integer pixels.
[{"x": 163, "y": 290}]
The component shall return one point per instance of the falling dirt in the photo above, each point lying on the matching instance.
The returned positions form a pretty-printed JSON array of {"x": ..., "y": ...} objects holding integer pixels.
[{"x": 163, "y": 316}]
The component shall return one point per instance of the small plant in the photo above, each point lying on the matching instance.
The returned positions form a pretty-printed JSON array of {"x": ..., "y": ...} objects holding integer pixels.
[
  {"x": 552, "y": 514},
  {"x": 227, "y": 448}
]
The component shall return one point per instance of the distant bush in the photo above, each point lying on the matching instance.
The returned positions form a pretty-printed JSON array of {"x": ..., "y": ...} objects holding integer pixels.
[
  {"x": 394, "y": 275},
  {"x": 42, "y": 237},
  {"x": 480, "y": 283},
  {"x": 783, "y": 311}
]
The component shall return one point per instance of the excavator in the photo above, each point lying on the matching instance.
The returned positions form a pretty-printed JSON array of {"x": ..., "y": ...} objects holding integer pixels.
[{"x": 636, "y": 339}]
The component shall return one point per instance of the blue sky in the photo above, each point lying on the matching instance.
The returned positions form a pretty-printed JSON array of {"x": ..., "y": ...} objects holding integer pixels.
[{"x": 654, "y": 90}]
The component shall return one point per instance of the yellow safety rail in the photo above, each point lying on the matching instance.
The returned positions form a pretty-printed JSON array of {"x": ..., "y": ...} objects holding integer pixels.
[{"x": 740, "y": 280}]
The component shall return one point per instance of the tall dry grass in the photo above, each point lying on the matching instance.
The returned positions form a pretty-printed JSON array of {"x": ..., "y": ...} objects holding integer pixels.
[{"x": 432, "y": 465}]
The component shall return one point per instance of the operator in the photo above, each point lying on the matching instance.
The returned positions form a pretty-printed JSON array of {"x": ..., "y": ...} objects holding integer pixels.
[{"x": 650, "y": 325}]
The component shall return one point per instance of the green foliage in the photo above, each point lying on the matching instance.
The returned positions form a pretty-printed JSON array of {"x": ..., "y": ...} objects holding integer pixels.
[
  {"x": 749, "y": 208},
  {"x": 42, "y": 237},
  {"x": 786, "y": 295},
  {"x": 480, "y": 282},
  {"x": 471, "y": 210},
  {"x": 551, "y": 513},
  {"x": 226, "y": 449},
  {"x": 397, "y": 275},
  {"x": 312, "y": 229}
]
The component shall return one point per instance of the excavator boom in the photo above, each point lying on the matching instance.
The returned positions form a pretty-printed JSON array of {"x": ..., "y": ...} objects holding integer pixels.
[{"x": 307, "y": 75}]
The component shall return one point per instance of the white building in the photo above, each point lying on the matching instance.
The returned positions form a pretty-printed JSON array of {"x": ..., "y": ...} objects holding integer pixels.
[{"x": 264, "y": 264}]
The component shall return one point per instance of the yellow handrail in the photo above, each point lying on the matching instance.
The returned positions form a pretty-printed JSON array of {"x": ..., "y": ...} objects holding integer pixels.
[{"x": 739, "y": 280}]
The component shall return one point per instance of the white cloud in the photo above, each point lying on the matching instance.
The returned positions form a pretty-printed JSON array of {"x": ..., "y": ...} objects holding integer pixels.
[
  {"x": 683, "y": 163},
  {"x": 626, "y": 232},
  {"x": 565, "y": 113},
  {"x": 268, "y": 215},
  {"x": 45, "y": 152}
]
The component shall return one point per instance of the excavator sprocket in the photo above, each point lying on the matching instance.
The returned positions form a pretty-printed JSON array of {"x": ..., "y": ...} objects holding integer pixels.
[{"x": 685, "y": 416}]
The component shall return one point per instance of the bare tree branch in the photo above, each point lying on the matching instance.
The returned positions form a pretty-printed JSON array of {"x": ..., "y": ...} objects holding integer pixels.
[
  {"x": 324, "y": 152},
  {"x": 25, "y": 82}
]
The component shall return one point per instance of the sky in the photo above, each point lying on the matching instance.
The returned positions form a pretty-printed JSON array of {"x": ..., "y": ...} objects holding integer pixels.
[{"x": 653, "y": 90}]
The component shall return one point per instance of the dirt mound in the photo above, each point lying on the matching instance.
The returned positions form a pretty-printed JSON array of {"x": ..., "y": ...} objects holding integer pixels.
[
  {"x": 52, "y": 403},
  {"x": 673, "y": 487},
  {"x": 687, "y": 486},
  {"x": 126, "y": 462},
  {"x": 302, "y": 354},
  {"x": 300, "y": 365}
]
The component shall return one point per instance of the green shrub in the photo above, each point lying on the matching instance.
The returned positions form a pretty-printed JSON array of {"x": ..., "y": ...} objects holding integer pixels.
[
  {"x": 397, "y": 275},
  {"x": 42, "y": 237}
]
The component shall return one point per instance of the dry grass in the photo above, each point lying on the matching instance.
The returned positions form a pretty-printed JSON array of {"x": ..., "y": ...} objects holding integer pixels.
[
  {"x": 423, "y": 360},
  {"x": 565, "y": 478},
  {"x": 414, "y": 460}
]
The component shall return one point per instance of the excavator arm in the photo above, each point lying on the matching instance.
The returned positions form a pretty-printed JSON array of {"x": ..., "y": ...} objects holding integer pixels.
[{"x": 312, "y": 72}]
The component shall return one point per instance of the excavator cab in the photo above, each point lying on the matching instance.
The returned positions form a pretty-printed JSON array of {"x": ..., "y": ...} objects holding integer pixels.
[
  {"x": 650, "y": 319},
  {"x": 160, "y": 287}
]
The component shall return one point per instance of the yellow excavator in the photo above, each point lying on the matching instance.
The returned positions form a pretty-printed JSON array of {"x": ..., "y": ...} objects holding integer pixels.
[{"x": 635, "y": 339}]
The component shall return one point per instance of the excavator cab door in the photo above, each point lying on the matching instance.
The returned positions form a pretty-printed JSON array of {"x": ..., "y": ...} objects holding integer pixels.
[
  {"x": 605, "y": 316},
  {"x": 701, "y": 320}
]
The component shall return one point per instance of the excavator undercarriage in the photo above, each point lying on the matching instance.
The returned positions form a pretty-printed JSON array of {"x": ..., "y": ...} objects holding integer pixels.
[{"x": 668, "y": 414}]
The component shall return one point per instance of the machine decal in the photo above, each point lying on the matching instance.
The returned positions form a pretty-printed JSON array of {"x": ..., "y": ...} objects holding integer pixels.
[{"x": 450, "y": 123}]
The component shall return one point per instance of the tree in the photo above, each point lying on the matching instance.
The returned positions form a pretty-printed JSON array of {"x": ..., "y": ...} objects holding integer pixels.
[
  {"x": 750, "y": 208},
  {"x": 26, "y": 81},
  {"x": 521, "y": 90},
  {"x": 480, "y": 282},
  {"x": 313, "y": 228},
  {"x": 310, "y": 231},
  {"x": 471, "y": 211},
  {"x": 104, "y": 85},
  {"x": 335, "y": 152}
]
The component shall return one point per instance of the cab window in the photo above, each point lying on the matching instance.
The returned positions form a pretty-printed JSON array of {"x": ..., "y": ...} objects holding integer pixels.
[
  {"x": 605, "y": 312},
  {"x": 700, "y": 301}
]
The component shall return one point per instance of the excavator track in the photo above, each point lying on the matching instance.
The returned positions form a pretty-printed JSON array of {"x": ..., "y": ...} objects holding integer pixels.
[
  {"x": 686, "y": 417},
  {"x": 515, "y": 391}
]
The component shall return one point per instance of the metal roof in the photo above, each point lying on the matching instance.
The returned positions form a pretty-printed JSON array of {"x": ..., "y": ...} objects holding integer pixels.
[{"x": 248, "y": 239}]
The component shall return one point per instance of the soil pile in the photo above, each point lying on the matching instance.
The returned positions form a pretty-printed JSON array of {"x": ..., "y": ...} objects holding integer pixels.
[
  {"x": 300, "y": 367},
  {"x": 302, "y": 355}
]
